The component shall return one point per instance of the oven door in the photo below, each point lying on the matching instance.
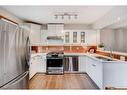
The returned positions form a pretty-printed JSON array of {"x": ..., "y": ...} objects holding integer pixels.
[
  {"x": 54, "y": 62},
  {"x": 54, "y": 65}
]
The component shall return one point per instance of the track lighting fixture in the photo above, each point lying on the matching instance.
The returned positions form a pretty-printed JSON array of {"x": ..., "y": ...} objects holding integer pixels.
[{"x": 66, "y": 14}]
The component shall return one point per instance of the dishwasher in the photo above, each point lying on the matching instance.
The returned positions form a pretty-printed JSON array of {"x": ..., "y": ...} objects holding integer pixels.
[{"x": 70, "y": 63}]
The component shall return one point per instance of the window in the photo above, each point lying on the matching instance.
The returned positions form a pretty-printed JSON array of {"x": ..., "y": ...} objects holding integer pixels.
[
  {"x": 74, "y": 37},
  {"x": 82, "y": 37},
  {"x": 67, "y": 36}
]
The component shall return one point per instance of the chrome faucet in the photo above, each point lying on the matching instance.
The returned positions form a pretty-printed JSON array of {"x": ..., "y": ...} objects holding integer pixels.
[{"x": 111, "y": 54}]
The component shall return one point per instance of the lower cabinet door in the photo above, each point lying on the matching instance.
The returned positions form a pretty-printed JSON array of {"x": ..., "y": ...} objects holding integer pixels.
[
  {"x": 89, "y": 68},
  {"x": 82, "y": 64},
  {"x": 98, "y": 73},
  {"x": 32, "y": 68},
  {"x": 95, "y": 71}
]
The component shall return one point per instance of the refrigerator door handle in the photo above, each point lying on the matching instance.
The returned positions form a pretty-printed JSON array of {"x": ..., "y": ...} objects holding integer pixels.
[
  {"x": 17, "y": 80},
  {"x": 28, "y": 51}
]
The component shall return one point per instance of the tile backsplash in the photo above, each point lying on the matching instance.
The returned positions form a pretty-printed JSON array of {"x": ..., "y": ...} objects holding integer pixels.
[{"x": 66, "y": 49}]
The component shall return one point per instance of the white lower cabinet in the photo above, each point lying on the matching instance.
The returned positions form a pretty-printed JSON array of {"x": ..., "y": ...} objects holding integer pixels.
[
  {"x": 41, "y": 64},
  {"x": 94, "y": 69},
  {"x": 32, "y": 69},
  {"x": 82, "y": 64},
  {"x": 115, "y": 74},
  {"x": 37, "y": 64}
]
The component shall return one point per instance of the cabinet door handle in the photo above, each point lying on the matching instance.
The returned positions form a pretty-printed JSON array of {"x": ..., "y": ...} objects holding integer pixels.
[{"x": 93, "y": 65}]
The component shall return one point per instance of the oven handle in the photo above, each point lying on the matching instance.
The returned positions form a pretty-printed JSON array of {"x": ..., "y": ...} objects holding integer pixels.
[{"x": 54, "y": 58}]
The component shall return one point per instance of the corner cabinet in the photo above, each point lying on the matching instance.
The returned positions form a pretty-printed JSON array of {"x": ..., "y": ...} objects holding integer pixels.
[
  {"x": 94, "y": 69},
  {"x": 89, "y": 37}
]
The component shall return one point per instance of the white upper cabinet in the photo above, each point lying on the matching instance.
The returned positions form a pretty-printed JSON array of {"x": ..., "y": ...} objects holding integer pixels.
[
  {"x": 55, "y": 29},
  {"x": 39, "y": 36},
  {"x": 91, "y": 37},
  {"x": 35, "y": 34},
  {"x": 71, "y": 37},
  {"x": 88, "y": 37},
  {"x": 67, "y": 37},
  {"x": 82, "y": 37},
  {"x": 55, "y": 33}
]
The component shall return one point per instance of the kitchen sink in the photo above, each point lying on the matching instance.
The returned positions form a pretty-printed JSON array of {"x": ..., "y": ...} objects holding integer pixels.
[{"x": 104, "y": 59}]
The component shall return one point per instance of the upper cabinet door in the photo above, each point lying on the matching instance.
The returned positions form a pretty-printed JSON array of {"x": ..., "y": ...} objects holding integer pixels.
[
  {"x": 91, "y": 37},
  {"x": 75, "y": 37},
  {"x": 55, "y": 29},
  {"x": 35, "y": 34},
  {"x": 67, "y": 37},
  {"x": 82, "y": 37}
]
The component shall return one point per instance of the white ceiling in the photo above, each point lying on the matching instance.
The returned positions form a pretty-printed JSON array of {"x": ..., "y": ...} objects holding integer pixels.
[{"x": 45, "y": 14}]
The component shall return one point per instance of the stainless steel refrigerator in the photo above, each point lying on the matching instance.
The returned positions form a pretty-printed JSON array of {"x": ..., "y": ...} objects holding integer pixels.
[{"x": 14, "y": 56}]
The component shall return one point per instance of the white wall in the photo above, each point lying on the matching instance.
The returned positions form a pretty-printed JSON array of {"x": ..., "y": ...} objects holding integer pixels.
[
  {"x": 117, "y": 14},
  {"x": 116, "y": 39},
  {"x": 10, "y": 16},
  {"x": 107, "y": 37}
]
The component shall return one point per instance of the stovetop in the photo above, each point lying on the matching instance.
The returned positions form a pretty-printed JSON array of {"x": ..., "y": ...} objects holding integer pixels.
[{"x": 55, "y": 54}]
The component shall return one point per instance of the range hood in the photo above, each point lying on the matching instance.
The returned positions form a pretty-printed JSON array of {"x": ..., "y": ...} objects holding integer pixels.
[
  {"x": 55, "y": 34},
  {"x": 54, "y": 38}
]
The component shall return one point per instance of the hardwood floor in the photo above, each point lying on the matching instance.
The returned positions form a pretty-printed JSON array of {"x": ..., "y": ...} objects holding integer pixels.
[{"x": 66, "y": 81}]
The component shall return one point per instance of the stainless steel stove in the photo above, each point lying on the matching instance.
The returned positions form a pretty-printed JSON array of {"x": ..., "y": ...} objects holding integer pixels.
[{"x": 55, "y": 63}]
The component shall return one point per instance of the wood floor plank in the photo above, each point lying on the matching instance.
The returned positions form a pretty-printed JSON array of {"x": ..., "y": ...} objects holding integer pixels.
[{"x": 66, "y": 81}]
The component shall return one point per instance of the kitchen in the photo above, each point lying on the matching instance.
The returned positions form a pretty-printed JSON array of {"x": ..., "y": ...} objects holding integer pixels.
[{"x": 63, "y": 47}]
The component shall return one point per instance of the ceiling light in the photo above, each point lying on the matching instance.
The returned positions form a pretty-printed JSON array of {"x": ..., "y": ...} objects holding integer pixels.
[{"x": 66, "y": 14}]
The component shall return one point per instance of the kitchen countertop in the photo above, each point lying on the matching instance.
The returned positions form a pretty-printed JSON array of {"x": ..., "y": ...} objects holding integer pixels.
[
  {"x": 94, "y": 55},
  {"x": 114, "y": 52}
]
